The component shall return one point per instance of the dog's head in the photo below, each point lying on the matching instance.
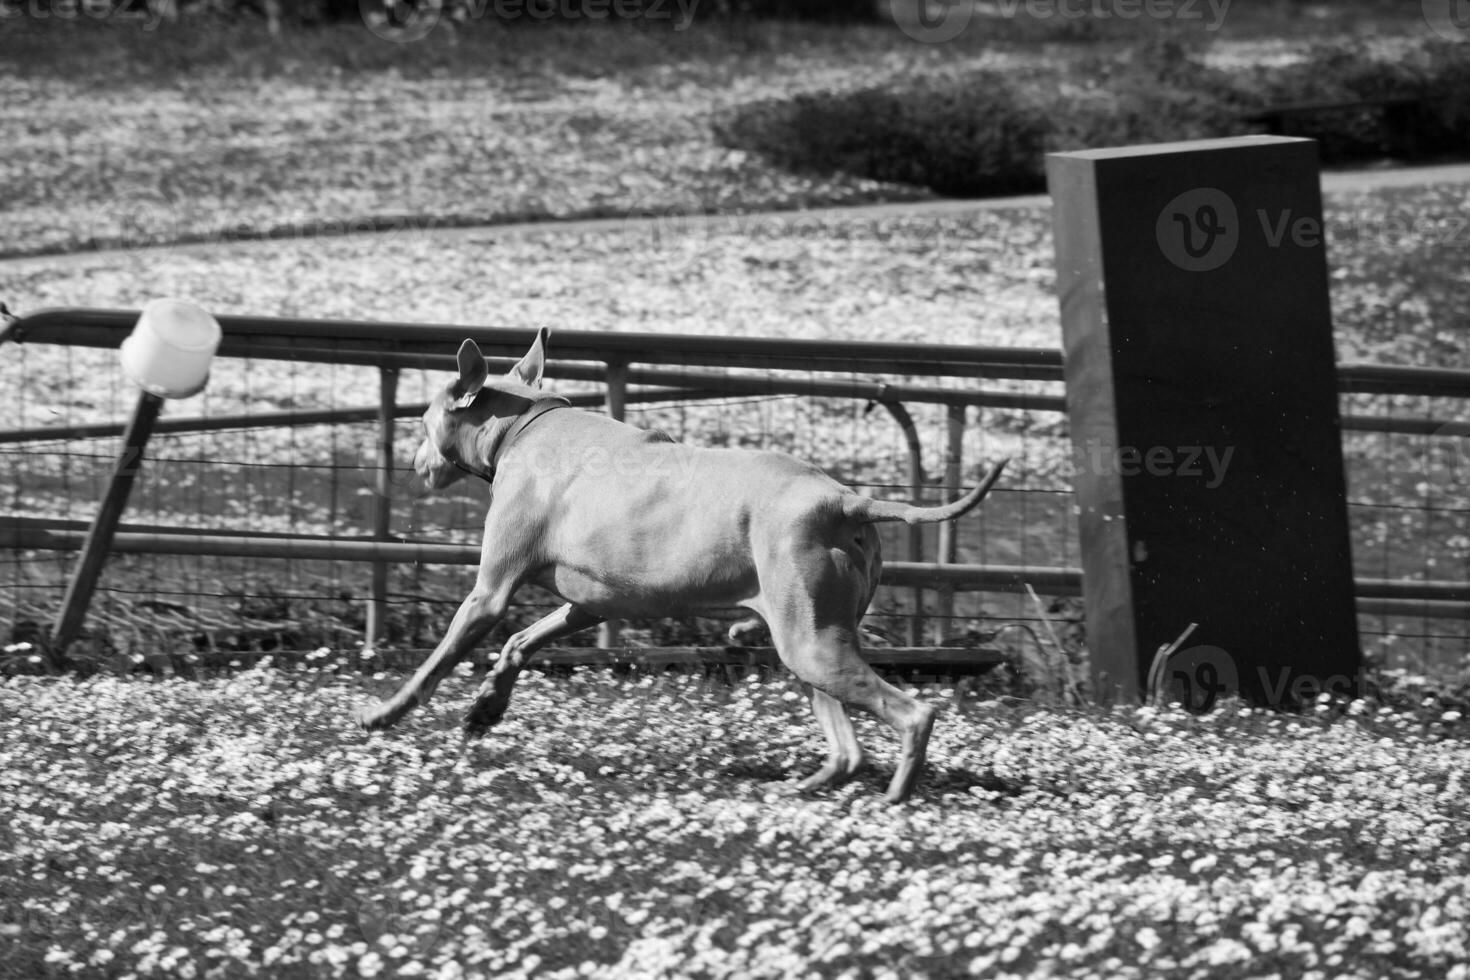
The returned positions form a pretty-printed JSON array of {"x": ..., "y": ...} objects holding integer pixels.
[{"x": 468, "y": 416}]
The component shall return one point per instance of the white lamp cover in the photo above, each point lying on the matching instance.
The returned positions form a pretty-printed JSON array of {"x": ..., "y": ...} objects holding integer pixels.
[{"x": 170, "y": 350}]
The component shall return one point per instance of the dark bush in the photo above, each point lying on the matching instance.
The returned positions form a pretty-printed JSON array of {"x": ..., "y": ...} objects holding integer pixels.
[
  {"x": 1449, "y": 93},
  {"x": 963, "y": 137},
  {"x": 1159, "y": 92},
  {"x": 532, "y": 12},
  {"x": 1345, "y": 74},
  {"x": 1438, "y": 75},
  {"x": 979, "y": 134},
  {"x": 821, "y": 10}
]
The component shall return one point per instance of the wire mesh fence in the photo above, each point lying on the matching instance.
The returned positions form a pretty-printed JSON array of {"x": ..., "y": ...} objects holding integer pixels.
[
  {"x": 1408, "y": 467},
  {"x": 289, "y": 447}
]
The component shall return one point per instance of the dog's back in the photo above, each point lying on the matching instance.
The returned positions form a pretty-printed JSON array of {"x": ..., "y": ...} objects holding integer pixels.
[{"x": 648, "y": 526}]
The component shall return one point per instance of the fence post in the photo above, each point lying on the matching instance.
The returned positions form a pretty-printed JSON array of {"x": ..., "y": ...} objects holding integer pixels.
[
  {"x": 104, "y": 526},
  {"x": 609, "y": 633},
  {"x": 1203, "y": 409},
  {"x": 954, "y": 452},
  {"x": 377, "y": 610},
  {"x": 916, "y": 492}
]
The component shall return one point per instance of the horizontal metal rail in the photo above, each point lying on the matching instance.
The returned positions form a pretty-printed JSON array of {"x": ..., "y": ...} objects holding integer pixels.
[
  {"x": 936, "y": 660},
  {"x": 304, "y": 339},
  {"x": 1392, "y": 379},
  {"x": 1416, "y": 425},
  {"x": 715, "y": 387},
  {"x": 30, "y": 526},
  {"x": 303, "y": 418},
  {"x": 212, "y": 423},
  {"x": 391, "y": 344},
  {"x": 568, "y": 367},
  {"x": 708, "y": 386},
  {"x": 1414, "y": 608},
  {"x": 893, "y": 658},
  {"x": 1444, "y": 598},
  {"x": 24, "y": 533}
]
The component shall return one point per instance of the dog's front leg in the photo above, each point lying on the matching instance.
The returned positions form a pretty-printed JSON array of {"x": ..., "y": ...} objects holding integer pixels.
[
  {"x": 494, "y": 695},
  {"x": 477, "y": 615}
]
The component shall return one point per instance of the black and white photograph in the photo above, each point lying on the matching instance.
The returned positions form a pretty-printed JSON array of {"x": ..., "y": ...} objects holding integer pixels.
[{"x": 740, "y": 489}]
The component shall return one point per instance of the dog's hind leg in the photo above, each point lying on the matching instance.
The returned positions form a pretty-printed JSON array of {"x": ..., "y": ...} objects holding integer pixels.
[
  {"x": 829, "y": 660},
  {"x": 477, "y": 615},
  {"x": 494, "y": 695},
  {"x": 844, "y": 754},
  {"x": 914, "y": 721},
  {"x": 813, "y": 599}
]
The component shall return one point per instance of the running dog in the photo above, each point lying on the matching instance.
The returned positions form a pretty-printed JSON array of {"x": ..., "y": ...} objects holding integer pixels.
[{"x": 622, "y": 522}]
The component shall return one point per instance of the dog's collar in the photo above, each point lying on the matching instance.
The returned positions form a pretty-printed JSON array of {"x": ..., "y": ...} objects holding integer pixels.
[{"x": 538, "y": 408}]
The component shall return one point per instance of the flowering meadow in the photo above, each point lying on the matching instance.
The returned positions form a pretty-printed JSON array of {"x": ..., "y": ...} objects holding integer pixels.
[{"x": 240, "y": 826}]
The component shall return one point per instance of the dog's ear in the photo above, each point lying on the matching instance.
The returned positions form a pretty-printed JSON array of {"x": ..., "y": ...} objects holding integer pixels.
[
  {"x": 472, "y": 374},
  {"x": 530, "y": 368}
]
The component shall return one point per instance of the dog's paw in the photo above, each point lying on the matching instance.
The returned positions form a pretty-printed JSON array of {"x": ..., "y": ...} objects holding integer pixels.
[
  {"x": 477, "y": 724},
  {"x": 373, "y": 718}
]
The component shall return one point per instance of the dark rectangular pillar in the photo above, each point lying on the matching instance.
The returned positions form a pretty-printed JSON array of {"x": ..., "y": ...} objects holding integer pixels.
[{"x": 1201, "y": 391}]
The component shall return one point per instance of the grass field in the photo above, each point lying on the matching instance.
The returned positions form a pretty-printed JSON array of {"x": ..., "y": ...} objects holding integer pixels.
[
  {"x": 239, "y": 827},
  {"x": 211, "y": 130}
]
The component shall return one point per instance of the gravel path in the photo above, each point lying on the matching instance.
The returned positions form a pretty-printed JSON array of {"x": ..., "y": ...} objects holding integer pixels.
[{"x": 1333, "y": 182}]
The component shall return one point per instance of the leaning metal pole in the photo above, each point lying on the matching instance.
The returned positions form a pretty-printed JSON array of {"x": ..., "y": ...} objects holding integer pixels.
[
  {"x": 167, "y": 355},
  {"x": 99, "y": 537}
]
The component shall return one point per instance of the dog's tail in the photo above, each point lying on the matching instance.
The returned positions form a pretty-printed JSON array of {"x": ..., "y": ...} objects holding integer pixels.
[{"x": 866, "y": 510}]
